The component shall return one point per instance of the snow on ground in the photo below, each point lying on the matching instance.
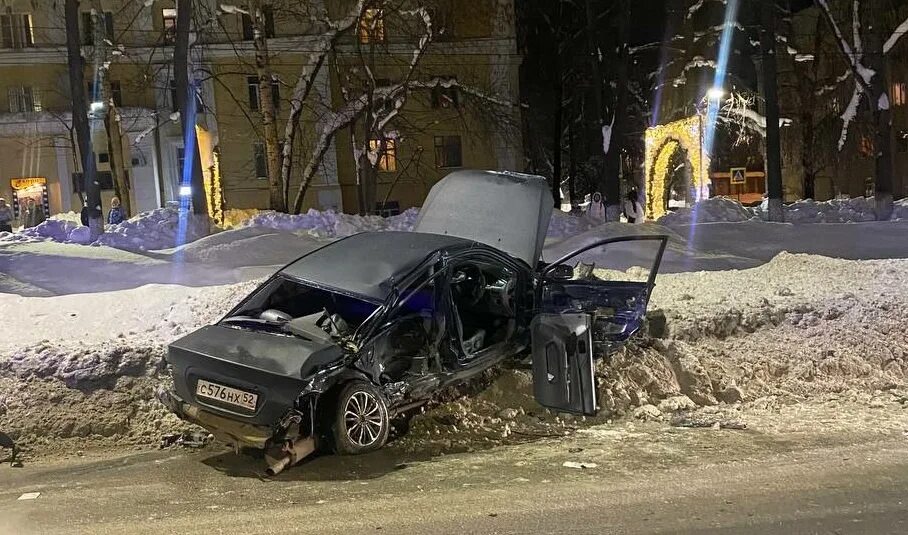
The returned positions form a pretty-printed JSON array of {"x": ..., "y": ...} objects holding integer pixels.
[
  {"x": 727, "y": 210},
  {"x": 787, "y": 326}
]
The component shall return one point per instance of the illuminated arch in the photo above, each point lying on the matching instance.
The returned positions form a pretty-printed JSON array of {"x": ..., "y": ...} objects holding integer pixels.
[{"x": 662, "y": 142}]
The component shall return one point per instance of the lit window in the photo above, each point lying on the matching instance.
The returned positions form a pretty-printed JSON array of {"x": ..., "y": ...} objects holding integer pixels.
[
  {"x": 448, "y": 151},
  {"x": 169, "y": 17},
  {"x": 372, "y": 26},
  {"x": 24, "y": 99},
  {"x": 899, "y": 93},
  {"x": 387, "y": 153},
  {"x": 261, "y": 164}
]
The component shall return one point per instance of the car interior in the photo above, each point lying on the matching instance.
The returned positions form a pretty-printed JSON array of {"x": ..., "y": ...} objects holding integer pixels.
[
  {"x": 285, "y": 300},
  {"x": 483, "y": 296}
]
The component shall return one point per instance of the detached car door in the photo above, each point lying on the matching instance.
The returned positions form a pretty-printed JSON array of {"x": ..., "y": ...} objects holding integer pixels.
[{"x": 588, "y": 302}]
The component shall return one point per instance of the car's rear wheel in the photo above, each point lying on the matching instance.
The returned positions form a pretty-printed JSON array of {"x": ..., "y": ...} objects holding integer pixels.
[{"x": 361, "y": 422}]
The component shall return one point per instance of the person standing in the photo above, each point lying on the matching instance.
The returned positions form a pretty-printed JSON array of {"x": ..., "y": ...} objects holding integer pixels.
[
  {"x": 633, "y": 210},
  {"x": 33, "y": 215},
  {"x": 6, "y": 216},
  {"x": 115, "y": 216},
  {"x": 596, "y": 209}
]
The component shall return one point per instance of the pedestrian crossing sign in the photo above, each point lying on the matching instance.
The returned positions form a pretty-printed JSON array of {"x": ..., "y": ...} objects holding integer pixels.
[{"x": 738, "y": 175}]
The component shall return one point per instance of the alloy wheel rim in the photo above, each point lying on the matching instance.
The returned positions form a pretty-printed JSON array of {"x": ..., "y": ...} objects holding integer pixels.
[{"x": 363, "y": 418}]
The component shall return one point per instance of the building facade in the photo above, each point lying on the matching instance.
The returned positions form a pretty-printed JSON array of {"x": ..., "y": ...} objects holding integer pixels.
[{"x": 434, "y": 131}]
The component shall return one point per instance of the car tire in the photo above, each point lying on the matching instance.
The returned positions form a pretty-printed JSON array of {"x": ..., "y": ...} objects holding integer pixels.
[{"x": 361, "y": 422}]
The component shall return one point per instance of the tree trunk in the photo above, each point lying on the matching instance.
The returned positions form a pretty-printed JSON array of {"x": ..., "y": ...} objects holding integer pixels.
[
  {"x": 771, "y": 97},
  {"x": 267, "y": 108},
  {"x": 115, "y": 150},
  {"x": 593, "y": 50},
  {"x": 558, "y": 93},
  {"x": 89, "y": 185},
  {"x": 186, "y": 104},
  {"x": 612, "y": 186},
  {"x": 882, "y": 115}
]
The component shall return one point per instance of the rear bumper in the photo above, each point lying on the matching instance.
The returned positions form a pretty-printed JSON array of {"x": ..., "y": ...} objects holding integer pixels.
[{"x": 224, "y": 429}]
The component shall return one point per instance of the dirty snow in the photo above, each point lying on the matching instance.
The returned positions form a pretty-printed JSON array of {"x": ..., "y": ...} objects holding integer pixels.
[{"x": 78, "y": 366}]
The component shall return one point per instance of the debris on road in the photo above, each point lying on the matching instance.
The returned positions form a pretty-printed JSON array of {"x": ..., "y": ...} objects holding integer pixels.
[
  {"x": 188, "y": 439},
  {"x": 581, "y": 466},
  {"x": 695, "y": 420},
  {"x": 29, "y": 496}
]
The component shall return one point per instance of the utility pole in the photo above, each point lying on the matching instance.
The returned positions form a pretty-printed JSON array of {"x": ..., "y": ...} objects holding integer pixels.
[
  {"x": 79, "y": 104},
  {"x": 882, "y": 112},
  {"x": 559, "y": 109},
  {"x": 771, "y": 97}
]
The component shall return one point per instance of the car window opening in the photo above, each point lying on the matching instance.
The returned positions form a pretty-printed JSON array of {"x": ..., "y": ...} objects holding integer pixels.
[
  {"x": 483, "y": 296},
  {"x": 285, "y": 301}
]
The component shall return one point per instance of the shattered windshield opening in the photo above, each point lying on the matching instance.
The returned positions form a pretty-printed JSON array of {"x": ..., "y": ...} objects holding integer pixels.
[{"x": 283, "y": 300}]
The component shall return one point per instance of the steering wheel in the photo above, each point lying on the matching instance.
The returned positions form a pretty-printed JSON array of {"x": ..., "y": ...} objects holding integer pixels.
[{"x": 468, "y": 284}]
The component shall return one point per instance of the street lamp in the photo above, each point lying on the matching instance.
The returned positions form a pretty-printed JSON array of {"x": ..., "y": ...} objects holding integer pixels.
[{"x": 715, "y": 94}]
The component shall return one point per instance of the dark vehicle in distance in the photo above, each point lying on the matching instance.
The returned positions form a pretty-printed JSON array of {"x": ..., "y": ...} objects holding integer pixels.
[{"x": 341, "y": 340}]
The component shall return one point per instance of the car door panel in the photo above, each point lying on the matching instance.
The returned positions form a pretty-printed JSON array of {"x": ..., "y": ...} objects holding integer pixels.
[
  {"x": 577, "y": 318},
  {"x": 563, "y": 377}
]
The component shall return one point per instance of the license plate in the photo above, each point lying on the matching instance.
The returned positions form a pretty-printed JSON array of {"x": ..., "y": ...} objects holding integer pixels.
[{"x": 226, "y": 394}]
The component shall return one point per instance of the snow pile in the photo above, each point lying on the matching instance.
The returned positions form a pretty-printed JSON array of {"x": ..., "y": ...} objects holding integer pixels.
[
  {"x": 716, "y": 209},
  {"x": 75, "y": 217},
  {"x": 157, "y": 229},
  {"x": 564, "y": 225},
  {"x": 331, "y": 224},
  {"x": 900, "y": 210},
  {"x": 858, "y": 209}
]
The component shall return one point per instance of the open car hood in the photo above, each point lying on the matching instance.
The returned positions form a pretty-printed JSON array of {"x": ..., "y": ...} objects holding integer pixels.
[{"x": 508, "y": 211}]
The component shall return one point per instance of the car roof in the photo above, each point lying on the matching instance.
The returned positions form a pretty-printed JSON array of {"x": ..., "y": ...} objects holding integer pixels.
[{"x": 368, "y": 265}]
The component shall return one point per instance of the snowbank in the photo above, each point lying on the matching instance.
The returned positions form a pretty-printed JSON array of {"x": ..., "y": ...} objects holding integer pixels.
[
  {"x": 157, "y": 229},
  {"x": 709, "y": 211},
  {"x": 331, "y": 224},
  {"x": 725, "y": 210}
]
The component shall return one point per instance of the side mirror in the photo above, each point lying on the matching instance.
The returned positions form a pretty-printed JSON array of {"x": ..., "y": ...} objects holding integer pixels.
[{"x": 562, "y": 272}]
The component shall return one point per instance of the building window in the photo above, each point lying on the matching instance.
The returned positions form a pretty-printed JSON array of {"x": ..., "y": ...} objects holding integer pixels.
[
  {"x": 103, "y": 157},
  {"x": 372, "y": 26},
  {"x": 901, "y": 141},
  {"x": 899, "y": 93},
  {"x": 169, "y": 17},
  {"x": 24, "y": 99},
  {"x": 261, "y": 164},
  {"x": 249, "y": 28},
  {"x": 386, "y": 151},
  {"x": 252, "y": 82},
  {"x": 16, "y": 30},
  {"x": 445, "y": 97},
  {"x": 448, "y": 152},
  {"x": 88, "y": 36}
]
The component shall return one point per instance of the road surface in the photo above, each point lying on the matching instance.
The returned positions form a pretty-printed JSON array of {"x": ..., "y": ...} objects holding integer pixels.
[{"x": 648, "y": 478}]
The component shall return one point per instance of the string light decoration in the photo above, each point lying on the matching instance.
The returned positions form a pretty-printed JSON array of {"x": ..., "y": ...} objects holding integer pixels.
[{"x": 662, "y": 142}]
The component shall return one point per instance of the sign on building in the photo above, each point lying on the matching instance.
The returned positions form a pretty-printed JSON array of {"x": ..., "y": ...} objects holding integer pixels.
[{"x": 738, "y": 175}]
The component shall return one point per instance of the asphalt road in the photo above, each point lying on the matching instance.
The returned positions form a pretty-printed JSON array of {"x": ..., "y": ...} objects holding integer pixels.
[{"x": 703, "y": 481}]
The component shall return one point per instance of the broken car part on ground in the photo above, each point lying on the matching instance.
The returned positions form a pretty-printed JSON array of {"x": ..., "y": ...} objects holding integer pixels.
[{"x": 338, "y": 342}]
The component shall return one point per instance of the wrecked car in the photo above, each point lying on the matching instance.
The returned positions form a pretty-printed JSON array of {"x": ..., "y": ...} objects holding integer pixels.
[{"x": 334, "y": 345}]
